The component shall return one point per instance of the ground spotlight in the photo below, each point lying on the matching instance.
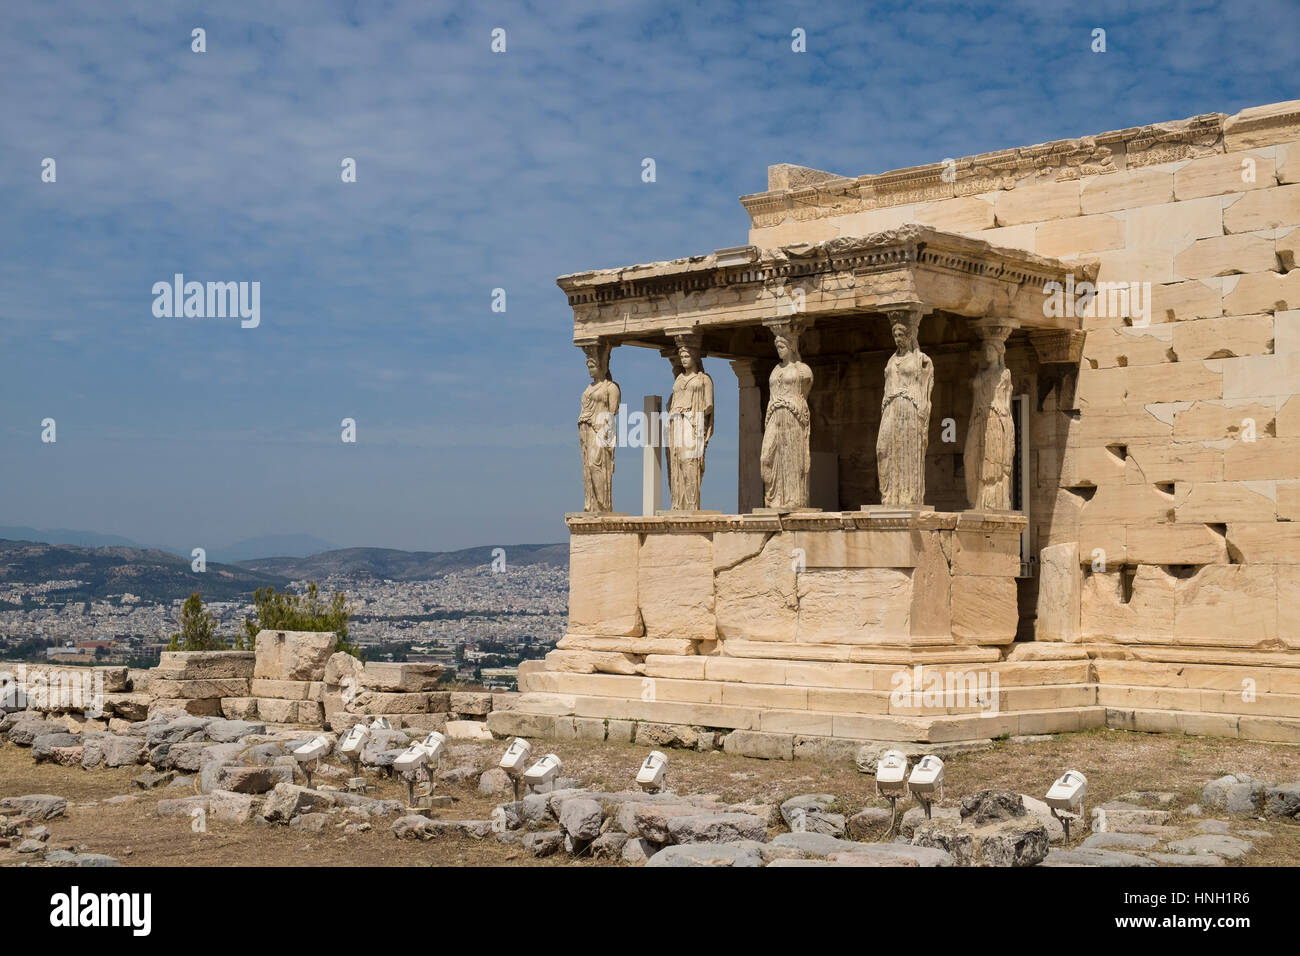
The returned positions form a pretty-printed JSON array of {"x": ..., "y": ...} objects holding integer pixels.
[
  {"x": 926, "y": 780},
  {"x": 515, "y": 760},
  {"x": 653, "y": 775},
  {"x": 1066, "y": 797},
  {"x": 543, "y": 774},
  {"x": 310, "y": 753},
  {"x": 891, "y": 781}
]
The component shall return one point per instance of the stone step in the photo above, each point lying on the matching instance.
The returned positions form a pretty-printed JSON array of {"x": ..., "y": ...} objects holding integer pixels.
[
  {"x": 976, "y": 694},
  {"x": 1196, "y": 700},
  {"x": 882, "y": 725},
  {"x": 855, "y": 676},
  {"x": 1224, "y": 677},
  {"x": 860, "y": 653},
  {"x": 1276, "y": 729}
]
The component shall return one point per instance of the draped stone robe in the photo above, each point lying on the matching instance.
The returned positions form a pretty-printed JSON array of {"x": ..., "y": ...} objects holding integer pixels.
[
  {"x": 690, "y": 420},
  {"x": 990, "y": 441},
  {"x": 596, "y": 438},
  {"x": 904, "y": 428},
  {"x": 785, "y": 457}
]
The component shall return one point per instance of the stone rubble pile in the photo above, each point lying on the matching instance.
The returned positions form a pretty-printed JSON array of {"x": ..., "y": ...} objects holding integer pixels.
[
  {"x": 241, "y": 772},
  {"x": 291, "y": 678}
]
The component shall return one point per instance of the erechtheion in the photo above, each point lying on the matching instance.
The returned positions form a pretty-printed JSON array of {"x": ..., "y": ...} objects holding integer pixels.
[{"x": 1024, "y": 423}]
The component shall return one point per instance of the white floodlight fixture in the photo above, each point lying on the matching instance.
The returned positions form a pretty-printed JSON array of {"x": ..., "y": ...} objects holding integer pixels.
[
  {"x": 891, "y": 774},
  {"x": 353, "y": 743},
  {"x": 435, "y": 743},
  {"x": 891, "y": 781},
  {"x": 653, "y": 774},
  {"x": 515, "y": 760},
  {"x": 408, "y": 764},
  {"x": 926, "y": 780},
  {"x": 311, "y": 752},
  {"x": 1067, "y": 796},
  {"x": 380, "y": 723},
  {"x": 543, "y": 773}
]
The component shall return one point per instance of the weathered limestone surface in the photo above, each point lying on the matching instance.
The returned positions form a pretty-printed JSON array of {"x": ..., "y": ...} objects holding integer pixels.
[
  {"x": 293, "y": 655},
  {"x": 603, "y": 585}
]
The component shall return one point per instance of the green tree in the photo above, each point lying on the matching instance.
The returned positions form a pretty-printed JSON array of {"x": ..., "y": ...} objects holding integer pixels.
[
  {"x": 198, "y": 628},
  {"x": 285, "y": 611}
]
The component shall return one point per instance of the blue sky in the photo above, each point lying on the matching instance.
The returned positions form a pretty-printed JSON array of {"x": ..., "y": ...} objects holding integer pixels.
[{"x": 475, "y": 171}]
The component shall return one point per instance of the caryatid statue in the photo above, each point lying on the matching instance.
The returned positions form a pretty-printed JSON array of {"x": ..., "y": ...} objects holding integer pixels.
[
  {"x": 904, "y": 415},
  {"x": 990, "y": 436},
  {"x": 596, "y": 431},
  {"x": 690, "y": 426},
  {"x": 786, "y": 426},
  {"x": 664, "y": 437}
]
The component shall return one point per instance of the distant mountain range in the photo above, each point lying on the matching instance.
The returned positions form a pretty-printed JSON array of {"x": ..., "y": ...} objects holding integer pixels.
[
  {"x": 292, "y": 545},
  {"x": 406, "y": 565},
  {"x": 157, "y": 575},
  {"x": 150, "y": 574}
]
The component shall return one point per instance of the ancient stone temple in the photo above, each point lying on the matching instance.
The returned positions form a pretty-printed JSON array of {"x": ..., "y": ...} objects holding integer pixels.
[{"x": 1019, "y": 452}]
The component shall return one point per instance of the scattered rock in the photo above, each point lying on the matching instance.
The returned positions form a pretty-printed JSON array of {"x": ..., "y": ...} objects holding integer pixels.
[
  {"x": 650, "y": 820},
  {"x": 581, "y": 819},
  {"x": 309, "y": 822},
  {"x": 26, "y": 730},
  {"x": 649, "y": 734},
  {"x": 989, "y": 806},
  {"x": 412, "y": 827},
  {"x": 287, "y": 800},
  {"x": 226, "y": 806},
  {"x": 869, "y": 823},
  {"x": 915, "y": 816},
  {"x": 609, "y": 845},
  {"x": 1283, "y": 800},
  {"x": 715, "y": 828},
  {"x": 183, "y": 806},
  {"x": 38, "y": 806},
  {"x": 1235, "y": 793},
  {"x": 65, "y": 858},
  {"x": 703, "y": 854},
  {"x": 544, "y": 843},
  {"x": 1093, "y": 857},
  {"x": 637, "y": 851},
  {"x": 495, "y": 781},
  {"x": 153, "y": 779},
  {"x": 1220, "y": 845},
  {"x": 110, "y": 750},
  {"x": 1129, "y": 841},
  {"x": 475, "y": 829},
  {"x": 31, "y": 846},
  {"x": 44, "y": 746},
  {"x": 808, "y": 813},
  {"x": 1186, "y": 859}
]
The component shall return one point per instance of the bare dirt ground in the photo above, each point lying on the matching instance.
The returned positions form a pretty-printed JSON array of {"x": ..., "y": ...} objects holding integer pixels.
[{"x": 1115, "y": 763}]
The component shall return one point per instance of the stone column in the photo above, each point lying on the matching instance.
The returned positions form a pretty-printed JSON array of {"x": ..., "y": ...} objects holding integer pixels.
[
  {"x": 751, "y": 376},
  {"x": 990, "y": 435},
  {"x": 652, "y": 469},
  {"x": 904, "y": 413}
]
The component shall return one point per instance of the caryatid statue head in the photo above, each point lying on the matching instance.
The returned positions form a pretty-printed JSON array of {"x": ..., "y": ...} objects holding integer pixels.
[
  {"x": 993, "y": 345},
  {"x": 597, "y": 361},
  {"x": 904, "y": 323},
  {"x": 689, "y": 354},
  {"x": 786, "y": 340}
]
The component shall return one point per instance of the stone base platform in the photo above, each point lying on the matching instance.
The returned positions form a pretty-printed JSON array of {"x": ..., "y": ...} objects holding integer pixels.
[{"x": 785, "y": 707}]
